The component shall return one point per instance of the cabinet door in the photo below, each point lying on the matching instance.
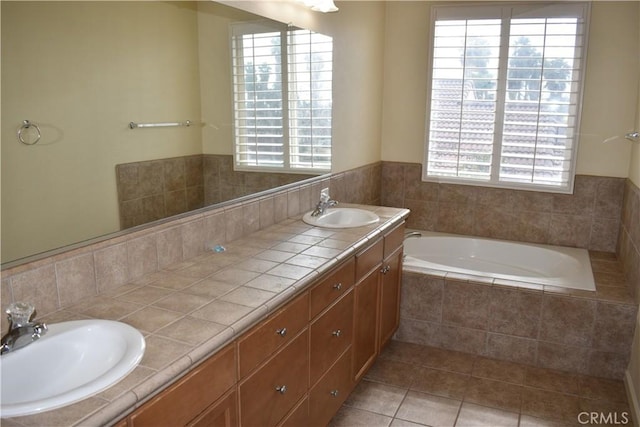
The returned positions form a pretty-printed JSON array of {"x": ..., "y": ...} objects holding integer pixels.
[
  {"x": 223, "y": 413},
  {"x": 365, "y": 324},
  {"x": 331, "y": 334},
  {"x": 326, "y": 397},
  {"x": 390, "y": 297},
  {"x": 268, "y": 394},
  {"x": 190, "y": 396}
]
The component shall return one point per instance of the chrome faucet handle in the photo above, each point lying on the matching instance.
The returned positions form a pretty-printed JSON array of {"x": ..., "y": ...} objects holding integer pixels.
[{"x": 20, "y": 313}]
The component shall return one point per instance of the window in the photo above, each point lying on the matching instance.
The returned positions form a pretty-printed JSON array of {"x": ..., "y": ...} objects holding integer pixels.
[
  {"x": 282, "y": 98},
  {"x": 505, "y": 95}
]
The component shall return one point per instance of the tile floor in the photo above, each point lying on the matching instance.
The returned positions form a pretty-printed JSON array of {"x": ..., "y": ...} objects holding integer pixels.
[{"x": 414, "y": 385}]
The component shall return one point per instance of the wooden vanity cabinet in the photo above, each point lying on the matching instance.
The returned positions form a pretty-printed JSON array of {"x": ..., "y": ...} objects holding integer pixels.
[
  {"x": 326, "y": 397},
  {"x": 184, "y": 401},
  {"x": 390, "y": 296},
  {"x": 223, "y": 413},
  {"x": 331, "y": 335},
  {"x": 377, "y": 298},
  {"x": 298, "y": 366},
  {"x": 271, "y": 334},
  {"x": 269, "y": 393}
]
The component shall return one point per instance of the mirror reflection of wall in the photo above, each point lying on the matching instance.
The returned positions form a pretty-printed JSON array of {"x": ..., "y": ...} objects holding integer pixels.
[{"x": 83, "y": 71}]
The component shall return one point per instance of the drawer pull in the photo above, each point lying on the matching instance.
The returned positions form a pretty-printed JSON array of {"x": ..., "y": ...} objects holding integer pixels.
[
  {"x": 337, "y": 286},
  {"x": 334, "y": 393},
  {"x": 282, "y": 332},
  {"x": 336, "y": 333},
  {"x": 385, "y": 269},
  {"x": 282, "y": 389}
]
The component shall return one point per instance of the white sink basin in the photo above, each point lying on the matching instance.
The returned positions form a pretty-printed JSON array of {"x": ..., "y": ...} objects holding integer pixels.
[
  {"x": 342, "y": 218},
  {"x": 73, "y": 361}
]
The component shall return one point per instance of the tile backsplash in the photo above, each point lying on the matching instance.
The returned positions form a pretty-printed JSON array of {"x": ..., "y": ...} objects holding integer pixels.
[
  {"x": 589, "y": 218},
  {"x": 157, "y": 189}
]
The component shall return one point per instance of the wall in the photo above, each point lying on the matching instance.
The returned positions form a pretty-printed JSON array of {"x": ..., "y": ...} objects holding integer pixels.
[
  {"x": 70, "y": 76},
  {"x": 609, "y": 109}
]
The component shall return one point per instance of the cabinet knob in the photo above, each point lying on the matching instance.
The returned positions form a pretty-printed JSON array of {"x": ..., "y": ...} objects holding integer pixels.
[
  {"x": 385, "y": 269},
  {"x": 336, "y": 333},
  {"x": 337, "y": 286},
  {"x": 334, "y": 393},
  {"x": 281, "y": 389},
  {"x": 282, "y": 332}
]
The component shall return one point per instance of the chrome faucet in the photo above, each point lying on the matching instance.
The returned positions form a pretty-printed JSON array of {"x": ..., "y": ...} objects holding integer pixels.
[
  {"x": 410, "y": 234},
  {"x": 325, "y": 203},
  {"x": 22, "y": 331}
]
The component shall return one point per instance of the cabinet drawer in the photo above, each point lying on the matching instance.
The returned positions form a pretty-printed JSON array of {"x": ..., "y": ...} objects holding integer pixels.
[
  {"x": 328, "y": 395},
  {"x": 393, "y": 240},
  {"x": 299, "y": 416},
  {"x": 331, "y": 334},
  {"x": 257, "y": 345},
  {"x": 369, "y": 258},
  {"x": 223, "y": 413},
  {"x": 332, "y": 287},
  {"x": 269, "y": 393},
  {"x": 178, "y": 405}
]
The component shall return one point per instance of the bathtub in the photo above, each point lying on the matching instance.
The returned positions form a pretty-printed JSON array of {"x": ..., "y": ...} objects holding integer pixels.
[{"x": 497, "y": 259}]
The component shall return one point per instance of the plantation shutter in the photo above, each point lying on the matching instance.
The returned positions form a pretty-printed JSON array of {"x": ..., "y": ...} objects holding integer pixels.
[
  {"x": 258, "y": 97},
  {"x": 505, "y": 101},
  {"x": 282, "y": 86},
  {"x": 310, "y": 99}
]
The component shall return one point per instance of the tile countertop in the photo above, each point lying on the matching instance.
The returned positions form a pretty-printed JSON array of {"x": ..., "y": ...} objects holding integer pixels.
[{"x": 192, "y": 309}]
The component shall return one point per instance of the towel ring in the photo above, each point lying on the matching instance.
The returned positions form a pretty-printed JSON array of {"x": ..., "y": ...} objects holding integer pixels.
[{"x": 26, "y": 124}]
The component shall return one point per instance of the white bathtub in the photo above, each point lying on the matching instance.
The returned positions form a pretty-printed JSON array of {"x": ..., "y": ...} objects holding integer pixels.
[{"x": 498, "y": 259}]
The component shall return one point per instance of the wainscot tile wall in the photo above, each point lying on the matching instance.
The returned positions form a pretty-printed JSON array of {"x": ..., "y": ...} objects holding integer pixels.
[
  {"x": 157, "y": 189},
  {"x": 589, "y": 218},
  {"x": 629, "y": 241},
  {"x": 68, "y": 276}
]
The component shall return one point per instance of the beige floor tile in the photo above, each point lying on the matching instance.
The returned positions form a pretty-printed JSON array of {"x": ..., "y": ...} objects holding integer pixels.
[
  {"x": 392, "y": 372},
  {"x": 495, "y": 394},
  {"x": 472, "y": 415},
  {"x": 428, "y": 409},
  {"x": 376, "y": 397},
  {"x": 550, "y": 405},
  {"x": 352, "y": 417},
  {"x": 440, "y": 383},
  {"x": 499, "y": 370},
  {"x": 552, "y": 380},
  {"x": 449, "y": 360}
]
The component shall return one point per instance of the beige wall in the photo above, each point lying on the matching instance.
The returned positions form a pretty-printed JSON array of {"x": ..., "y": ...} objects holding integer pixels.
[
  {"x": 610, "y": 88},
  {"x": 95, "y": 84}
]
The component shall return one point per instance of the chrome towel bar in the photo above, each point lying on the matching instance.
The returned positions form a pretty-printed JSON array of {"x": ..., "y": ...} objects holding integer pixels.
[{"x": 134, "y": 125}]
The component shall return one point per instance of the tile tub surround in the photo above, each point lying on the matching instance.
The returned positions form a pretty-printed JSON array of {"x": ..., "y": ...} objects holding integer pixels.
[
  {"x": 563, "y": 329},
  {"x": 589, "y": 218},
  {"x": 190, "y": 309},
  {"x": 629, "y": 241}
]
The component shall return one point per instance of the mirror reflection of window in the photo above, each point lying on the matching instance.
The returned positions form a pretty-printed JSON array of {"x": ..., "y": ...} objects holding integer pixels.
[{"x": 282, "y": 98}]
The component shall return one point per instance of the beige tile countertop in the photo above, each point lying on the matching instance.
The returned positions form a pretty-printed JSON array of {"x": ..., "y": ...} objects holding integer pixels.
[{"x": 190, "y": 310}]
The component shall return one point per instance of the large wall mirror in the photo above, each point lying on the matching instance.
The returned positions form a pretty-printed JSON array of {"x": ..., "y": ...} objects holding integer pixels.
[{"x": 81, "y": 72}]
